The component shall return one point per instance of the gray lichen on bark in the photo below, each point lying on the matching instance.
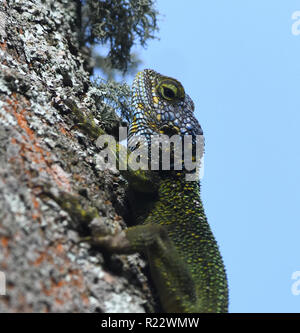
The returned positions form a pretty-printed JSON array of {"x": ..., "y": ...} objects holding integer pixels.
[{"x": 42, "y": 64}]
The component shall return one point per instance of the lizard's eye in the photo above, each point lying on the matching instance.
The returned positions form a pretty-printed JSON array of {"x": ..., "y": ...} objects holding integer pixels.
[
  {"x": 170, "y": 90},
  {"x": 168, "y": 93}
]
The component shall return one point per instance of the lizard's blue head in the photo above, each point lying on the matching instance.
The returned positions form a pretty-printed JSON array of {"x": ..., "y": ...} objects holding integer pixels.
[{"x": 161, "y": 106}]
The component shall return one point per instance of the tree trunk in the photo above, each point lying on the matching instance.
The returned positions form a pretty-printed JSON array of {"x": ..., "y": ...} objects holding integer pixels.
[{"x": 46, "y": 269}]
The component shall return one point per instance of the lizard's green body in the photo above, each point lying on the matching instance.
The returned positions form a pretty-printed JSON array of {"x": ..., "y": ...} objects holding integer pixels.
[
  {"x": 172, "y": 231},
  {"x": 185, "y": 262}
]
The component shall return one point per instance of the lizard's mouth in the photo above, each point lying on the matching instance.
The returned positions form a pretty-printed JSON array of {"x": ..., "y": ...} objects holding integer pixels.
[{"x": 168, "y": 130}]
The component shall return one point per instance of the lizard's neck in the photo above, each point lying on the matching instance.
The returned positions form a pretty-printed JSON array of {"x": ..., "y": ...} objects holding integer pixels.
[
  {"x": 176, "y": 201},
  {"x": 180, "y": 197}
]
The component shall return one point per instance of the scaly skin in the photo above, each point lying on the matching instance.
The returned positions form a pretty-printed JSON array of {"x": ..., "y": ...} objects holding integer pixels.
[{"x": 185, "y": 262}]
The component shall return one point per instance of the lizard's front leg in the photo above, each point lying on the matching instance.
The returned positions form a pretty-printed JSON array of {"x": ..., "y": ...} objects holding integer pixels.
[{"x": 171, "y": 276}]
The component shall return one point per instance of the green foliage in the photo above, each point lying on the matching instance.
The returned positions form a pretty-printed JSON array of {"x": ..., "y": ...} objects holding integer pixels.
[
  {"x": 118, "y": 24},
  {"x": 110, "y": 73},
  {"x": 111, "y": 96}
]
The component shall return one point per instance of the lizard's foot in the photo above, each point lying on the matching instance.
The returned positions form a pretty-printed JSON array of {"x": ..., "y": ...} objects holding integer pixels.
[
  {"x": 117, "y": 243},
  {"x": 84, "y": 120},
  {"x": 112, "y": 239},
  {"x": 102, "y": 234},
  {"x": 72, "y": 204}
]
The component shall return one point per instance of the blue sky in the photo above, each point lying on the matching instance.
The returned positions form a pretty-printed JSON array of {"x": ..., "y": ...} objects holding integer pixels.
[{"x": 240, "y": 63}]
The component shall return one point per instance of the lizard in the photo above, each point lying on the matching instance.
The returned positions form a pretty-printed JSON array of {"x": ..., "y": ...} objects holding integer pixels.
[{"x": 185, "y": 263}]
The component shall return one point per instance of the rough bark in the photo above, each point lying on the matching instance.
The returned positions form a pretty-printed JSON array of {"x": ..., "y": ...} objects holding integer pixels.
[{"x": 46, "y": 269}]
